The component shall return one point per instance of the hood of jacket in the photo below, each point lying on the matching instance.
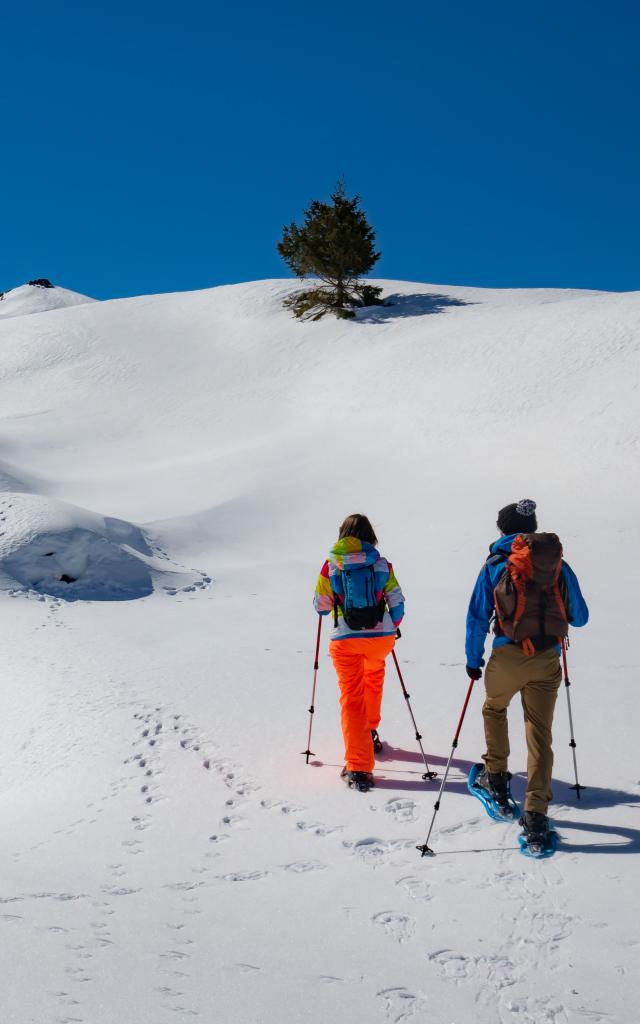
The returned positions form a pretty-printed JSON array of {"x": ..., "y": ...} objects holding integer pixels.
[
  {"x": 502, "y": 546},
  {"x": 352, "y": 553}
]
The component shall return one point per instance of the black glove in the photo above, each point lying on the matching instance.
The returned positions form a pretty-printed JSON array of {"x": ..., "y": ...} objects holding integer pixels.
[{"x": 474, "y": 673}]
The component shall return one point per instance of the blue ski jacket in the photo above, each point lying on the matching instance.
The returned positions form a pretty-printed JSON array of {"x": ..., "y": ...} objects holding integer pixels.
[{"x": 481, "y": 605}]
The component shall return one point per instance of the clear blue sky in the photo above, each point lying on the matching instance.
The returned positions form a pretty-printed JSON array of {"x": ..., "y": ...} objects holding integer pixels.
[{"x": 152, "y": 147}]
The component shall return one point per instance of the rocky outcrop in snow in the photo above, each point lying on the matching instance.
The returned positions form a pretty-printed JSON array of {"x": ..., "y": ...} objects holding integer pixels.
[
  {"x": 38, "y": 296},
  {"x": 64, "y": 551}
]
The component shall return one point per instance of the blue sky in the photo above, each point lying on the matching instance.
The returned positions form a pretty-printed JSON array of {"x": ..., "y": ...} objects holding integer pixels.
[{"x": 150, "y": 147}]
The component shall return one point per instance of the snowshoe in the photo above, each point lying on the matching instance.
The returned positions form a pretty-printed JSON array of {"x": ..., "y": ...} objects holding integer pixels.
[
  {"x": 493, "y": 790},
  {"x": 537, "y": 840},
  {"x": 362, "y": 781},
  {"x": 378, "y": 745}
]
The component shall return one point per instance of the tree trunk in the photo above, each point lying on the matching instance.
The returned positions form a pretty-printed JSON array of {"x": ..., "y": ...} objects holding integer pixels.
[{"x": 341, "y": 293}]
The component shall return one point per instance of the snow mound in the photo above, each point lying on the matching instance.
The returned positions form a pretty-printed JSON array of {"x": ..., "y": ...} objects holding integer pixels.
[
  {"x": 38, "y": 298},
  {"x": 54, "y": 548}
]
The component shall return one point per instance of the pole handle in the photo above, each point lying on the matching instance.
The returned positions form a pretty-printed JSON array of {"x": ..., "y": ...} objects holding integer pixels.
[{"x": 463, "y": 713}]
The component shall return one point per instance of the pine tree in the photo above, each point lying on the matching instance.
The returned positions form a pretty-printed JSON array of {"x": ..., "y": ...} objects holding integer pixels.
[{"x": 336, "y": 245}]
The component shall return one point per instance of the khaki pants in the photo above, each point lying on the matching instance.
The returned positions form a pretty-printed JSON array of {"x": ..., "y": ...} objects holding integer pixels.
[{"x": 537, "y": 679}]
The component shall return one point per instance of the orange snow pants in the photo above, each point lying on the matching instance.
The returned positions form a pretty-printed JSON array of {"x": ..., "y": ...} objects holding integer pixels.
[{"x": 359, "y": 663}]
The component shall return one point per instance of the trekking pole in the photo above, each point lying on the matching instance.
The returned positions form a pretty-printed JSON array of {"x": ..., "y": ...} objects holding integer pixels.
[
  {"x": 308, "y": 752},
  {"x": 428, "y": 773},
  {"x": 564, "y": 641},
  {"x": 425, "y": 848}
]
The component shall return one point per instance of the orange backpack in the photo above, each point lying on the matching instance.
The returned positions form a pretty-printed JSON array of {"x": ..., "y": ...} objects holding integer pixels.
[{"x": 529, "y": 600}]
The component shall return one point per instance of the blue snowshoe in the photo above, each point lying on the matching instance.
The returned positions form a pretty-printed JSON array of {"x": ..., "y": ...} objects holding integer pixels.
[
  {"x": 537, "y": 840},
  {"x": 493, "y": 790}
]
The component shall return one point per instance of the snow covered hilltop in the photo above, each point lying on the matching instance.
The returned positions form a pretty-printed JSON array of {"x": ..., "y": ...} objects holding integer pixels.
[
  {"x": 184, "y": 461},
  {"x": 38, "y": 296}
]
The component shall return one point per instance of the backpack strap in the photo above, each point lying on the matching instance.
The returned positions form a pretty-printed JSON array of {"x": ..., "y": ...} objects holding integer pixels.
[
  {"x": 495, "y": 558},
  {"x": 336, "y": 601}
]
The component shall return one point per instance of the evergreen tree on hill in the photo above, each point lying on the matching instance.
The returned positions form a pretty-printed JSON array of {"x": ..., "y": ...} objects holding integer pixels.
[{"x": 335, "y": 244}]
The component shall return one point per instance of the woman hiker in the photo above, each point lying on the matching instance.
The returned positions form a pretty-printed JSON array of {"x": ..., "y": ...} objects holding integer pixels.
[{"x": 359, "y": 588}]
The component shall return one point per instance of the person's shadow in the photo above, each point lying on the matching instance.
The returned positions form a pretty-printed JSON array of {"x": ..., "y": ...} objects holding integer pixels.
[
  {"x": 564, "y": 798},
  {"x": 385, "y": 775}
]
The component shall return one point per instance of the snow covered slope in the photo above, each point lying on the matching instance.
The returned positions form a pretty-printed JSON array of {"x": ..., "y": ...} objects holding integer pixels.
[
  {"x": 166, "y": 852},
  {"x": 38, "y": 298}
]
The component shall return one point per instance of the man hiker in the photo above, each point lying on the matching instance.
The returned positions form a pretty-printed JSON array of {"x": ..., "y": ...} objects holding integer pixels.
[{"x": 533, "y": 596}]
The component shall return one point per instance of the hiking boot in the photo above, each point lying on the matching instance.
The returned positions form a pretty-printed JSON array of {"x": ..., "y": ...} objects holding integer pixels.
[
  {"x": 535, "y": 825},
  {"x": 496, "y": 784},
  {"x": 362, "y": 781},
  {"x": 377, "y": 742}
]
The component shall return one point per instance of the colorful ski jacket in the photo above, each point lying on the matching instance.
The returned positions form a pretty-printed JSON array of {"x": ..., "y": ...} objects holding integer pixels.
[
  {"x": 353, "y": 553},
  {"x": 481, "y": 605}
]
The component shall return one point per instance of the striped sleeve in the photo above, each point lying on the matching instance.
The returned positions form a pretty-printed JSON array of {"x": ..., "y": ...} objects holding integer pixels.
[
  {"x": 323, "y": 598},
  {"x": 394, "y": 597}
]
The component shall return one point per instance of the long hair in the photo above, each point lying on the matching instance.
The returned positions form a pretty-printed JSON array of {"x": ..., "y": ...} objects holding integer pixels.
[{"x": 358, "y": 526}]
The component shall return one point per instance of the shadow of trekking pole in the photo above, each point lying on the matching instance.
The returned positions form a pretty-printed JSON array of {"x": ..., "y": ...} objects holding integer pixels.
[{"x": 428, "y": 773}]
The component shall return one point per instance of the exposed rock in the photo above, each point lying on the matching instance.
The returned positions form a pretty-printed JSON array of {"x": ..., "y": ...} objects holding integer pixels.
[{"x": 41, "y": 282}]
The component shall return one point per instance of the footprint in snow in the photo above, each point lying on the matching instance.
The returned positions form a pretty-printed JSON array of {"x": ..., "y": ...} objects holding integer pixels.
[
  {"x": 174, "y": 954},
  {"x": 244, "y": 876},
  {"x": 496, "y": 971},
  {"x": 402, "y": 809},
  {"x": 318, "y": 828},
  {"x": 470, "y": 825},
  {"x": 232, "y": 819},
  {"x": 280, "y": 805},
  {"x": 451, "y": 965},
  {"x": 542, "y": 1011},
  {"x": 401, "y": 1005},
  {"x": 183, "y": 886},
  {"x": 303, "y": 866},
  {"x": 376, "y": 852},
  {"x": 399, "y": 926},
  {"x": 416, "y": 888}
]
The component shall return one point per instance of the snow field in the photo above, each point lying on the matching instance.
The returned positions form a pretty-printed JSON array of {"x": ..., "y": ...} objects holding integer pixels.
[{"x": 167, "y": 853}]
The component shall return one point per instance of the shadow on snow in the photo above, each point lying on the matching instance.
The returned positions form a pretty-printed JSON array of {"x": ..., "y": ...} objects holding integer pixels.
[
  {"x": 564, "y": 796},
  {"x": 402, "y": 306}
]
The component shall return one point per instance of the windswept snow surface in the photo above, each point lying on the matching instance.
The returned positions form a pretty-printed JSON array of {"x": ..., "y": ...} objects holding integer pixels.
[
  {"x": 167, "y": 855},
  {"x": 30, "y": 298}
]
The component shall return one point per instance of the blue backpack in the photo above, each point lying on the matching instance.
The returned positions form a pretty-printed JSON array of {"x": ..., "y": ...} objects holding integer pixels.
[{"x": 359, "y": 606}]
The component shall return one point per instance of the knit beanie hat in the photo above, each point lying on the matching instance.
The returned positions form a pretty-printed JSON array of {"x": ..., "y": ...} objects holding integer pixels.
[{"x": 520, "y": 517}]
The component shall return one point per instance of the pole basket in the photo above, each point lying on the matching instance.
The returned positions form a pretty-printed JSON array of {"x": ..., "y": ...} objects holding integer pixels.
[
  {"x": 430, "y": 775},
  {"x": 425, "y": 850}
]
